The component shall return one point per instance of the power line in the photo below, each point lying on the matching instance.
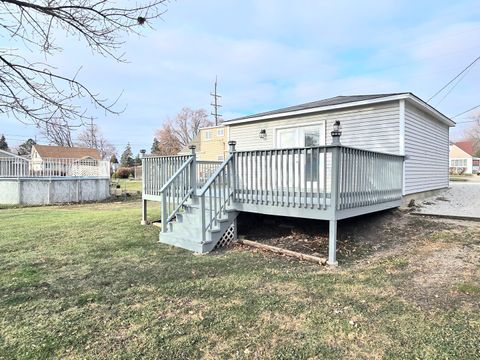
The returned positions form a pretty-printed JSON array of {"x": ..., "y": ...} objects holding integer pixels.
[
  {"x": 466, "y": 111},
  {"x": 455, "y": 78}
]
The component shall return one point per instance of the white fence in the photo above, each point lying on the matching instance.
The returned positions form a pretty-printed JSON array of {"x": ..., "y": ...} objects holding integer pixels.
[{"x": 49, "y": 167}]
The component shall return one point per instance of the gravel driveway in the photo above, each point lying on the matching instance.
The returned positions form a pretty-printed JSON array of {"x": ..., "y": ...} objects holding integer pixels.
[{"x": 461, "y": 199}]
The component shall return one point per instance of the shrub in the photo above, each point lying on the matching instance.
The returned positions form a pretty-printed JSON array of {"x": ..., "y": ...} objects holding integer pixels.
[{"x": 124, "y": 173}]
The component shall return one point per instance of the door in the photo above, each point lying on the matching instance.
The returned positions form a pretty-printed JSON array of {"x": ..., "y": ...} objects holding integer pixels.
[{"x": 307, "y": 164}]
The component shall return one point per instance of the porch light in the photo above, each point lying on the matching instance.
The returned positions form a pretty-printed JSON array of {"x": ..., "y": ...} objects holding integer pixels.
[
  {"x": 337, "y": 129},
  {"x": 263, "y": 134},
  {"x": 336, "y": 133}
]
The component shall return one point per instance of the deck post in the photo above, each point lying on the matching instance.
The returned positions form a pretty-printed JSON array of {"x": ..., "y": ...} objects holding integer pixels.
[
  {"x": 144, "y": 202},
  {"x": 332, "y": 243},
  {"x": 144, "y": 212},
  {"x": 334, "y": 190},
  {"x": 193, "y": 171},
  {"x": 233, "y": 175}
]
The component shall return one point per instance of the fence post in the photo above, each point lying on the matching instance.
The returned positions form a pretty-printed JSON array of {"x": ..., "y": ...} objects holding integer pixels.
[
  {"x": 193, "y": 171},
  {"x": 334, "y": 194},
  {"x": 233, "y": 175}
]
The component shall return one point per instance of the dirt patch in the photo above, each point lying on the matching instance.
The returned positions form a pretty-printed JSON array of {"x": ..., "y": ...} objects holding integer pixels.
[{"x": 357, "y": 237}]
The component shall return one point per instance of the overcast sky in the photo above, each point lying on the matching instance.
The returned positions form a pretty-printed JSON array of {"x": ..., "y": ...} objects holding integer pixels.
[{"x": 274, "y": 53}]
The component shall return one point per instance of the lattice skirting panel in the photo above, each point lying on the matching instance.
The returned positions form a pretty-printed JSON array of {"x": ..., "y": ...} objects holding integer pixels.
[{"x": 229, "y": 237}]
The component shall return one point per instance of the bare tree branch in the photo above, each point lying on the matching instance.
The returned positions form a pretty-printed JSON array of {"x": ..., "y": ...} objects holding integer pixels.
[
  {"x": 179, "y": 132},
  {"x": 35, "y": 93}
]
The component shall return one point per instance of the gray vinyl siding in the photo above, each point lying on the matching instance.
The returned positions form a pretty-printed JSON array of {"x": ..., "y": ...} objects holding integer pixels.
[
  {"x": 427, "y": 149},
  {"x": 374, "y": 127}
]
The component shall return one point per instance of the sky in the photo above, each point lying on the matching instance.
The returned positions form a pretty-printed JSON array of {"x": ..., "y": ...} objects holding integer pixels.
[{"x": 269, "y": 54}]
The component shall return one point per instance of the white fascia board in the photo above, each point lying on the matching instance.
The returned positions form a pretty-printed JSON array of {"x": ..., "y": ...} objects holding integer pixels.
[{"x": 406, "y": 96}]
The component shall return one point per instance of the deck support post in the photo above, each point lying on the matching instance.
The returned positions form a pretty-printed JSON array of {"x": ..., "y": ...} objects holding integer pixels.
[
  {"x": 334, "y": 194},
  {"x": 332, "y": 243},
  {"x": 144, "y": 212},
  {"x": 144, "y": 202}
]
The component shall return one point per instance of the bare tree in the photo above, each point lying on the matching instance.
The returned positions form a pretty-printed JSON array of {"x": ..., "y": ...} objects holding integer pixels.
[
  {"x": 36, "y": 93},
  {"x": 187, "y": 124},
  {"x": 57, "y": 132},
  {"x": 473, "y": 133},
  {"x": 168, "y": 143},
  {"x": 92, "y": 137},
  {"x": 179, "y": 132}
]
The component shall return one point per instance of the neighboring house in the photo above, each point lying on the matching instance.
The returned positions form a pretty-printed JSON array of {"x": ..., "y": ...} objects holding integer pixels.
[
  {"x": 463, "y": 159},
  {"x": 329, "y": 160},
  {"x": 60, "y": 160},
  {"x": 210, "y": 143}
]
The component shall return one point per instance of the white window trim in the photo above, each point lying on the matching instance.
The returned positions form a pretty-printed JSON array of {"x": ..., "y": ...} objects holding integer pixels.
[
  {"x": 221, "y": 130},
  {"x": 209, "y": 135}
]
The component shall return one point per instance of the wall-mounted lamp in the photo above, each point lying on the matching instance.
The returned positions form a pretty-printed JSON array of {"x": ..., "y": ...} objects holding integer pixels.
[{"x": 263, "y": 134}]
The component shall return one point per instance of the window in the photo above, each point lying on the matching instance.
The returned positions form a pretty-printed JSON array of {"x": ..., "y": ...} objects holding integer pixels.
[
  {"x": 458, "y": 162},
  {"x": 207, "y": 135},
  {"x": 220, "y": 132}
]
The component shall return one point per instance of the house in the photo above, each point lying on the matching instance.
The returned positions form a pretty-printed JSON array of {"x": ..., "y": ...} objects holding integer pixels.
[
  {"x": 211, "y": 143},
  {"x": 463, "y": 159},
  {"x": 329, "y": 160},
  {"x": 65, "y": 161}
]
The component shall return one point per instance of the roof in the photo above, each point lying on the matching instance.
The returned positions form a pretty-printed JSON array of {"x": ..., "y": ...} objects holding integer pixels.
[
  {"x": 467, "y": 146},
  {"x": 4, "y": 153},
  {"x": 62, "y": 152},
  {"x": 343, "y": 102}
]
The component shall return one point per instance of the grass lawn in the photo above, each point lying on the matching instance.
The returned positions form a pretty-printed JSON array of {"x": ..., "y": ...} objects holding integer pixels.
[
  {"x": 129, "y": 185},
  {"x": 89, "y": 282}
]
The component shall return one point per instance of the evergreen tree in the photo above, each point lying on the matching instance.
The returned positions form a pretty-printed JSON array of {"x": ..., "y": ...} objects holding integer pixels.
[
  {"x": 26, "y": 147},
  {"x": 3, "y": 143},
  {"x": 126, "y": 160},
  {"x": 155, "y": 146},
  {"x": 113, "y": 159},
  {"x": 138, "y": 160}
]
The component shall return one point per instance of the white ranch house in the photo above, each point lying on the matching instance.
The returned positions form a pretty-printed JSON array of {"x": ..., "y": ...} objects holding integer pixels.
[{"x": 329, "y": 160}]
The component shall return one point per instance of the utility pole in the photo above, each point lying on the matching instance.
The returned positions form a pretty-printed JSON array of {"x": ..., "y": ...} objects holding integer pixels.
[
  {"x": 215, "y": 103},
  {"x": 92, "y": 136}
]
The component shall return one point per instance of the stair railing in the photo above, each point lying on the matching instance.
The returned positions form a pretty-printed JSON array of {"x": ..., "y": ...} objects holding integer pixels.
[
  {"x": 217, "y": 193},
  {"x": 178, "y": 189}
]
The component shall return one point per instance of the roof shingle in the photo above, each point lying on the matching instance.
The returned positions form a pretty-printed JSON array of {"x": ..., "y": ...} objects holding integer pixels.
[
  {"x": 337, "y": 100},
  {"x": 62, "y": 152}
]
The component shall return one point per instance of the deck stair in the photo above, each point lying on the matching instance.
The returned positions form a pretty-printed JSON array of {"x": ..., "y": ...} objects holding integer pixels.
[{"x": 186, "y": 230}]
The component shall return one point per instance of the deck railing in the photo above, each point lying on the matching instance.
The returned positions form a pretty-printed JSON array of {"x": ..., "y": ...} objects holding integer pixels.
[
  {"x": 157, "y": 170},
  {"x": 368, "y": 178},
  {"x": 333, "y": 178},
  {"x": 177, "y": 190},
  {"x": 296, "y": 177},
  {"x": 53, "y": 167},
  {"x": 303, "y": 177},
  {"x": 216, "y": 195},
  {"x": 205, "y": 170}
]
